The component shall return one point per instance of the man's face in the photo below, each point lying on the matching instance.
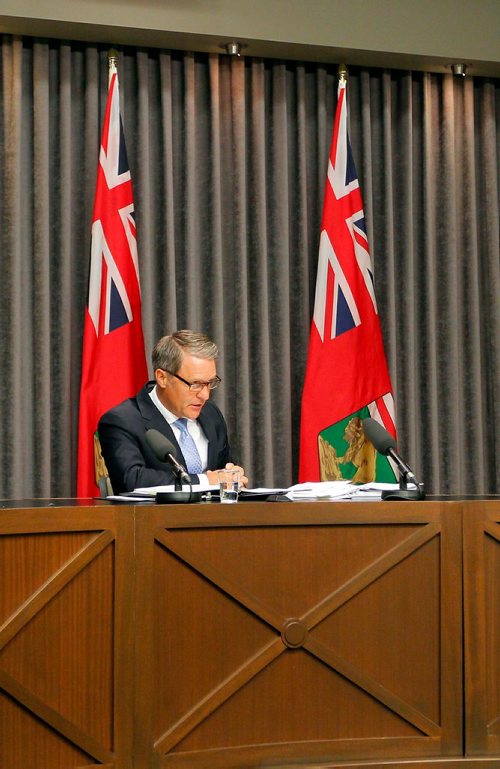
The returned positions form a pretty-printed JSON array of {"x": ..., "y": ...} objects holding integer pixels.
[{"x": 176, "y": 396}]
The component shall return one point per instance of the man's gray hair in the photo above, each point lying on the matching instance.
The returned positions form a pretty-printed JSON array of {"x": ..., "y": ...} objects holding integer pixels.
[{"x": 170, "y": 350}]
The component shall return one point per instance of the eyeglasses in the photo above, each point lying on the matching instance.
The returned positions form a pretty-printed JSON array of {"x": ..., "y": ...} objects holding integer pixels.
[{"x": 197, "y": 387}]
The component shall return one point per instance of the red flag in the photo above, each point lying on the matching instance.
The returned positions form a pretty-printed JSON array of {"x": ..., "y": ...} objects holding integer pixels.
[
  {"x": 346, "y": 376},
  {"x": 114, "y": 361}
]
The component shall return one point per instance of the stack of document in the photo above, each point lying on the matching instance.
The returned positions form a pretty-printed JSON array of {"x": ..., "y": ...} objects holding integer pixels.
[
  {"x": 323, "y": 490},
  {"x": 148, "y": 494},
  {"x": 338, "y": 490},
  {"x": 327, "y": 490}
]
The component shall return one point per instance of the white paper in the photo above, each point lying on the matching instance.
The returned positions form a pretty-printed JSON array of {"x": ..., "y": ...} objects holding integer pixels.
[
  {"x": 322, "y": 490},
  {"x": 152, "y": 491},
  {"x": 297, "y": 492},
  {"x": 374, "y": 490}
]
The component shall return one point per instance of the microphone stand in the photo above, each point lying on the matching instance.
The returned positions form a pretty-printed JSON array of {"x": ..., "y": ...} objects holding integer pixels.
[
  {"x": 404, "y": 493},
  {"x": 178, "y": 495}
]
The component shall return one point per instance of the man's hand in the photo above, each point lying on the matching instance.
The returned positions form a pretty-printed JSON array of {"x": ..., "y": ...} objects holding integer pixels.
[{"x": 213, "y": 479}]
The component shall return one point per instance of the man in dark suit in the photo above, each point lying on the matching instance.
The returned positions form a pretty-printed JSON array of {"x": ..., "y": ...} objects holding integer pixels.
[{"x": 176, "y": 404}]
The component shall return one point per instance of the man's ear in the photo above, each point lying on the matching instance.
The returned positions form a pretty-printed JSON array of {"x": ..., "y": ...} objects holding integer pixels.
[{"x": 162, "y": 378}]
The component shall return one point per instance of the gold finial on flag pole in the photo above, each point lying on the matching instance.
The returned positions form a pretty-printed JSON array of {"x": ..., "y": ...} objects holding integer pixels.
[
  {"x": 112, "y": 62},
  {"x": 342, "y": 70},
  {"x": 112, "y": 57}
]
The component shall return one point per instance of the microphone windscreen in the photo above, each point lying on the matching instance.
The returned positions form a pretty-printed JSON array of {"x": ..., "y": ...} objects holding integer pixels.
[
  {"x": 159, "y": 444},
  {"x": 378, "y": 435}
]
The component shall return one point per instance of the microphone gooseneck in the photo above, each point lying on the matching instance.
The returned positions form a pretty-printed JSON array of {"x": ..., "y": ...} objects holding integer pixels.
[
  {"x": 164, "y": 451},
  {"x": 385, "y": 444}
]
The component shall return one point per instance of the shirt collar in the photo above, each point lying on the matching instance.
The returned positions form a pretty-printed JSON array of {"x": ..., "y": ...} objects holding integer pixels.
[{"x": 171, "y": 418}]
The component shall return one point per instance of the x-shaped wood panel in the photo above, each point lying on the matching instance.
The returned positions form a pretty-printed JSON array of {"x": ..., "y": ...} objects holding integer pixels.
[{"x": 291, "y": 634}]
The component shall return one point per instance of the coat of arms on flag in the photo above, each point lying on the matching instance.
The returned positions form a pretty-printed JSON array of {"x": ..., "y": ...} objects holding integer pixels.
[{"x": 347, "y": 378}]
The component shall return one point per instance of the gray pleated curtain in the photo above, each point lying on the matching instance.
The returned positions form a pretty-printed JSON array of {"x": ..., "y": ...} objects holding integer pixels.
[{"x": 228, "y": 160}]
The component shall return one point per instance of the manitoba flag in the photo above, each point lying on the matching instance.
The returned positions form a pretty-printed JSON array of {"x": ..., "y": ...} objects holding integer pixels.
[
  {"x": 114, "y": 362},
  {"x": 346, "y": 376}
]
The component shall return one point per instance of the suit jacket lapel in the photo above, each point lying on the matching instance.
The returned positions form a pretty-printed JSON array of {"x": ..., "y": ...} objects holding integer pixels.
[
  {"x": 208, "y": 426},
  {"x": 153, "y": 419}
]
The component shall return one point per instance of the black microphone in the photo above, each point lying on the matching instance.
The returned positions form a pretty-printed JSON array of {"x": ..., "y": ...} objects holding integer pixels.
[
  {"x": 164, "y": 451},
  {"x": 386, "y": 445}
]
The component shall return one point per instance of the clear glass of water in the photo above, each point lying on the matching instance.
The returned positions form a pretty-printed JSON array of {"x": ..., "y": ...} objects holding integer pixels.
[{"x": 229, "y": 485}]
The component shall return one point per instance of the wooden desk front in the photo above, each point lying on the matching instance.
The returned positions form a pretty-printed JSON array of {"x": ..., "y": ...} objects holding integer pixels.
[{"x": 256, "y": 635}]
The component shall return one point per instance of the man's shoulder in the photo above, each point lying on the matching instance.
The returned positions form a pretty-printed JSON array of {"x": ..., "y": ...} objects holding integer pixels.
[
  {"x": 130, "y": 407},
  {"x": 212, "y": 412}
]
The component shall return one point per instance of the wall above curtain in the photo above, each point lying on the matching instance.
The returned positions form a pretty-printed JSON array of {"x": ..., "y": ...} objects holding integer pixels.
[{"x": 321, "y": 30}]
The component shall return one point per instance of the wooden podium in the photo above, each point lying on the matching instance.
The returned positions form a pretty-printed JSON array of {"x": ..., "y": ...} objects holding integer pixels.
[{"x": 250, "y": 635}]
